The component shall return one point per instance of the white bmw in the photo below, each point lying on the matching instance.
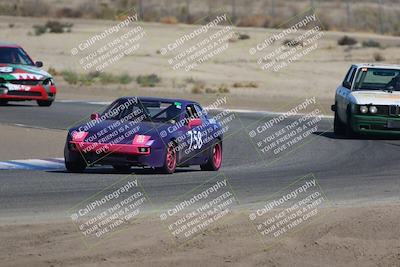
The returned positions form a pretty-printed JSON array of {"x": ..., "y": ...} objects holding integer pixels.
[{"x": 368, "y": 101}]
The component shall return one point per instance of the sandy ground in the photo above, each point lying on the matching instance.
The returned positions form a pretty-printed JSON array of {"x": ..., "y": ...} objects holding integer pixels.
[
  {"x": 273, "y": 103},
  {"x": 36, "y": 143},
  {"x": 357, "y": 236}
]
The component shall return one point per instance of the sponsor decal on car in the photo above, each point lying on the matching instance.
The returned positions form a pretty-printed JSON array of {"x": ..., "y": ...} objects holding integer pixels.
[{"x": 6, "y": 69}]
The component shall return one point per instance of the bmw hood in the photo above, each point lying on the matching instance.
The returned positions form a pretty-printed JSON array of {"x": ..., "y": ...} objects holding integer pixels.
[{"x": 375, "y": 97}]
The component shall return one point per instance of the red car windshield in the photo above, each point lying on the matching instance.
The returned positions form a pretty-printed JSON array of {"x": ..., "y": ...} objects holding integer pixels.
[{"x": 14, "y": 55}]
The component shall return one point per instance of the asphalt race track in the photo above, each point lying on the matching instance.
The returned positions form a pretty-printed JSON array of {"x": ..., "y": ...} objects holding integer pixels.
[{"x": 348, "y": 171}]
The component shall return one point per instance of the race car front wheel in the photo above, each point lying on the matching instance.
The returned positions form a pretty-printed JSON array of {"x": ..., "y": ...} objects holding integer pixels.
[
  {"x": 75, "y": 166},
  {"x": 170, "y": 160},
  {"x": 73, "y": 160},
  {"x": 44, "y": 103},
  {"x": 3, "y": 102},
  {"x": 214, "y": 161}
]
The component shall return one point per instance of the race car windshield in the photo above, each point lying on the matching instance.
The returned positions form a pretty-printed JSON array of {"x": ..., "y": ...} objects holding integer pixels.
[
  {"x": 377, "y": 79},
  {"x": 14, "y": 55},
  {"x": 144, "y": 110}
]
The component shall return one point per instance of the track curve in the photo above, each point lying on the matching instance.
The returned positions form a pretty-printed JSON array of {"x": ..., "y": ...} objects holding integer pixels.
[{"x": 349, "y": 171}]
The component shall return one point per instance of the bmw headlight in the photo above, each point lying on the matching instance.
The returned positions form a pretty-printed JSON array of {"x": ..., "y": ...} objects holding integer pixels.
[
  {"x": 373, "y": 109},
  {"x": 363, "y": 109},
  {"x": 48, "y": 81}
]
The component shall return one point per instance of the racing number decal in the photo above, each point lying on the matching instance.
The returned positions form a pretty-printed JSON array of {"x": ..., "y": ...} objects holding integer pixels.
[{"x": 196, "y": 140}]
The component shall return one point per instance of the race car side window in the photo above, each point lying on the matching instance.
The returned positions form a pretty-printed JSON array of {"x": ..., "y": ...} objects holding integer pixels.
[
  {"x": 200, "y": 112},
  {"x": 191, "y": 112}
]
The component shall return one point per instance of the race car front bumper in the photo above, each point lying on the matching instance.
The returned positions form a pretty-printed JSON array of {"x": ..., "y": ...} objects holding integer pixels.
[
  {"x": 37, "y": 92},
  {"x": 100, "y": 148},
  {"x": 373, "y": 124},
  {"x": 109, "y": 154}
]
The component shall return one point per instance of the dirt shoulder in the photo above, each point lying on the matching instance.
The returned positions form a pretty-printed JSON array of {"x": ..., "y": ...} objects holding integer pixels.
[{"x": 343, "y": 236}]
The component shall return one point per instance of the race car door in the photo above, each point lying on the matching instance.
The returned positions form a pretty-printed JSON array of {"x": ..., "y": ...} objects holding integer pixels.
[{"x": 195, "y": 136}]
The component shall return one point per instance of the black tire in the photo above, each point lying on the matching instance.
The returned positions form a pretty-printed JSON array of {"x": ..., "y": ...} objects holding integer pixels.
[
  {"x": 213, "y": 164},
  {"x": 122, "y": 168},
  {"x": 3, "y": 102},
  {"x": 75, "y": 166},
  {"x": 169, "y": 167},
  {"x": 74, "y": 161},
  {"x": 349, "y": 130},
  {"x": 339, "y": 128},
  {"x": 44, "y": 103}
]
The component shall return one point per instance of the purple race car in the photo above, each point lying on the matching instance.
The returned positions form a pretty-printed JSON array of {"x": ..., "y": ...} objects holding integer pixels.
[{"x": 143, "y": 131}]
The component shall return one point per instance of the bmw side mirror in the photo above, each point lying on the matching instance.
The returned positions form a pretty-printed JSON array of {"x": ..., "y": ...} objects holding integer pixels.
[
  {"x": 39, "y": 64},
  {"x": 346, "y": 84},
  {"x": 194, "y": 122}
]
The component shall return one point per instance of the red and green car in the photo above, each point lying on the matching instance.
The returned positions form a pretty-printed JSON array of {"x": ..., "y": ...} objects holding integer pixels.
[{"x": 21, "y": 78}]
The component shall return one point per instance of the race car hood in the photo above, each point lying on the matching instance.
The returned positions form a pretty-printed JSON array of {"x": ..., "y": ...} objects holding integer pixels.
[
  {"x": 22, "y": 72},
  {"x": 106, "y": 132},
  {"x": 375, "y": 97}
]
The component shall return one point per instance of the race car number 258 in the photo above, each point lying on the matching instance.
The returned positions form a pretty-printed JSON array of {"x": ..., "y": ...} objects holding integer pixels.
[{"x": 196, "y": 141}]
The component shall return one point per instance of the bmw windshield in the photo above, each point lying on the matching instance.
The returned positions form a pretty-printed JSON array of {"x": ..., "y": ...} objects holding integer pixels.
[{"x": 377, "y": 79}]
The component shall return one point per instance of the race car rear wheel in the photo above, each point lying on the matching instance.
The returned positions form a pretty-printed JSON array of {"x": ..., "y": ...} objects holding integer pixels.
[
  {"x": 170, "y": 160},
  {"x": 44, "y": 103},
  {"x": 3, "y": 102},
  {"x": 214, "y": 161}
]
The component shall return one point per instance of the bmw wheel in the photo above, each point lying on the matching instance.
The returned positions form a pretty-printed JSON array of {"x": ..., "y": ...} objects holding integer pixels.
[{"x": 339, "y": 127}]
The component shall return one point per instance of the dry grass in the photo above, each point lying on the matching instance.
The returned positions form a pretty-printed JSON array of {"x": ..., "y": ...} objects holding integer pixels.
[
  {"x": 378, "y": 57},
  {"x": 169, "y": 20},
  {"x": 245, "y": 85}
]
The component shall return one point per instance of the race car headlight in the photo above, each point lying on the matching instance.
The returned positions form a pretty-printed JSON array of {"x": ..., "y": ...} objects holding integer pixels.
[
  {"x": 79, "y": 136},
  {"x": 140, "y": 139},
  {"x": 48, "y": 81},
  {"x": 373, "y": 109},
  {"x": 363, "y": 109}
]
